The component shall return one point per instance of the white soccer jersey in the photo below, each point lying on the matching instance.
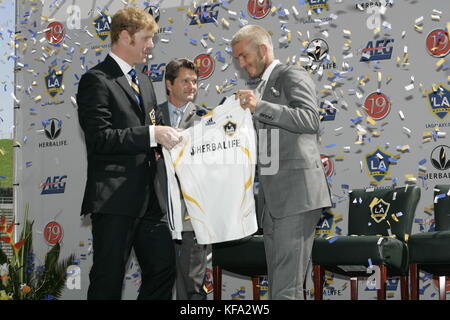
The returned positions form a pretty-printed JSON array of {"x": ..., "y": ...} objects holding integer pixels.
[{"x": 215, "y": 165}]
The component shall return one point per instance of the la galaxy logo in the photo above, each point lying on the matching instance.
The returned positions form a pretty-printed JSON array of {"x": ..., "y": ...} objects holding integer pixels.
[
  {"x": 152, "y": 116},
  {"x": 205, "y": 14},
  {"x": 381, "y": 50},
  {"x": 53, "y": 82},
  {"x": 379, "y": 209},
  {"x": 326, "y": 223},
  {"x": 317, "y": 6},
  {"x": 102, "y": 25},
  {"x": 438, "y": 101},
  {"x": 378, "y": 164},
  {"x": 229, "y": 128}
]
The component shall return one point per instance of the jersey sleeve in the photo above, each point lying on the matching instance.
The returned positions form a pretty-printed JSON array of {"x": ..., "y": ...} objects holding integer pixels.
[{"x": 174, "y": 212}]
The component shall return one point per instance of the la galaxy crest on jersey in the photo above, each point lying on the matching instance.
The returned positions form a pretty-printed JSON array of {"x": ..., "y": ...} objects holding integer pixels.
[
  {"x": 230, "y": 128},
  {"x": 438, "y": 101},
  {"x": 152, "y": 116},
  {"x": 378, "y": 164}
]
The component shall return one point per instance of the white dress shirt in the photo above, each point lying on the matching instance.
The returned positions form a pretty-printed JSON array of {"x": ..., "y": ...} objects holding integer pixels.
[{"x": 265, "y": 77}]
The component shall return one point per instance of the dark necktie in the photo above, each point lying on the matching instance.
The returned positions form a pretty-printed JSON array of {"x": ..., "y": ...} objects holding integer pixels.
[{"x": 135, "y": 86}]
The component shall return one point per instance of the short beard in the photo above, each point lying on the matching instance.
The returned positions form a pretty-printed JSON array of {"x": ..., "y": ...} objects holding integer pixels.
[{"x": 260, "y": 64}]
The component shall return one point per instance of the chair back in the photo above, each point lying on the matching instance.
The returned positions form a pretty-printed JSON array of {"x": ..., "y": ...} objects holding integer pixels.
[
  {"x": 442, "y": 207},
  {"x": 383, "y": 211}
]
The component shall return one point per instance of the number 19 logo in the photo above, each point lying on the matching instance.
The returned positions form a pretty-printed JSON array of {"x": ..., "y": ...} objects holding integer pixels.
[
  {"x": 53, "y": 233},
  {"x": 437, "y": 43},
  {"x": 377, "y": 105},
  {"x": 55, "y": 33},
  {"x": 206, "y": 65}
]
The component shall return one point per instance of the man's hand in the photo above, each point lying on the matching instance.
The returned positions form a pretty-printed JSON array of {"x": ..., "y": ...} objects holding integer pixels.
[
  {"x": 247, "y": 99},
  {"x": 168, "y": 137}
]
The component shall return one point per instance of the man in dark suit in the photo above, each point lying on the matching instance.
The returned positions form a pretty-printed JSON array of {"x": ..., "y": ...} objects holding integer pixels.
[
  {"x": 179, "y": 112},
  {"x": 116, "y": 109},
  {"x": 293, "y": 188}
]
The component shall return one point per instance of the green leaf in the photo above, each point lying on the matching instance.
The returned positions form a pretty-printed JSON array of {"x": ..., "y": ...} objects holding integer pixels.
[
  {"x": 51, "y": 259},
  {"x": 3, "y": 257}
]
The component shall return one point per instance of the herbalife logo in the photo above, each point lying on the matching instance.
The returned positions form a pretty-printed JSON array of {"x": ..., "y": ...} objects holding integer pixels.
[
  {"x": 439, "y": 157},
  {"x": 440, "y": 161}
]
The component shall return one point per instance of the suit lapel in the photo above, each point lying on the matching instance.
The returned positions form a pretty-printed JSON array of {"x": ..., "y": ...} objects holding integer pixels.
[
  {"x": 268, "y": 89},
  {"x": 272, "y": 80},
  {"x": 122, "y": 81},
  {"x": 188, "y": 116},
  {"x": 165, "y": 113},
  {"x": 145, "y": 91}
]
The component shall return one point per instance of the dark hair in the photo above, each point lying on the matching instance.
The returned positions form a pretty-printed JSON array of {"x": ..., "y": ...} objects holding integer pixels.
[{"x": 173, "y": 68}]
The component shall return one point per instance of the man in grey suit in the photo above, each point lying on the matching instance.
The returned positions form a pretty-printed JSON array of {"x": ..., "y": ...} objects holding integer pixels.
[
  {"x": 293, "y": 188},
  {"x": 179, "y": 112}
]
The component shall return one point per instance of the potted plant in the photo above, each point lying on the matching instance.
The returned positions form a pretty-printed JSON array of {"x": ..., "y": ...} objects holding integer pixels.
[{"x": 20, "y": 279}]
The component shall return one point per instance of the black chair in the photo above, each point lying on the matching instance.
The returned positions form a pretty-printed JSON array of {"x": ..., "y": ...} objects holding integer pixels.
[
  {"x": 379, "y": 224},
  {"x": 245, "y": 257},
  {"x": 430, "y": 251}
]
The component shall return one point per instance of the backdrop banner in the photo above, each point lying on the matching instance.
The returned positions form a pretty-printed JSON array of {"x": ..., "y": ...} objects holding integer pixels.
[{"x": 382, "y": 76}]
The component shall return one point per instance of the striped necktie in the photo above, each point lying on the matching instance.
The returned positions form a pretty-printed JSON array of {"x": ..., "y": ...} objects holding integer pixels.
[{"x": 135, "y": 86}]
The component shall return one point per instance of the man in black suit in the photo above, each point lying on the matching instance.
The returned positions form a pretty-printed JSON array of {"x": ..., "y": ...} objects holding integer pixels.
[{"x": 116, "y": 109}]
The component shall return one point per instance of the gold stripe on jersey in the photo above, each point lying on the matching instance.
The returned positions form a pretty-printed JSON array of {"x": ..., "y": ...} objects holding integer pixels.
[
  {"x": 250, "y": 179},
  {"x": 180, "y": 155},
  {"x": 189, "y": 198}
]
